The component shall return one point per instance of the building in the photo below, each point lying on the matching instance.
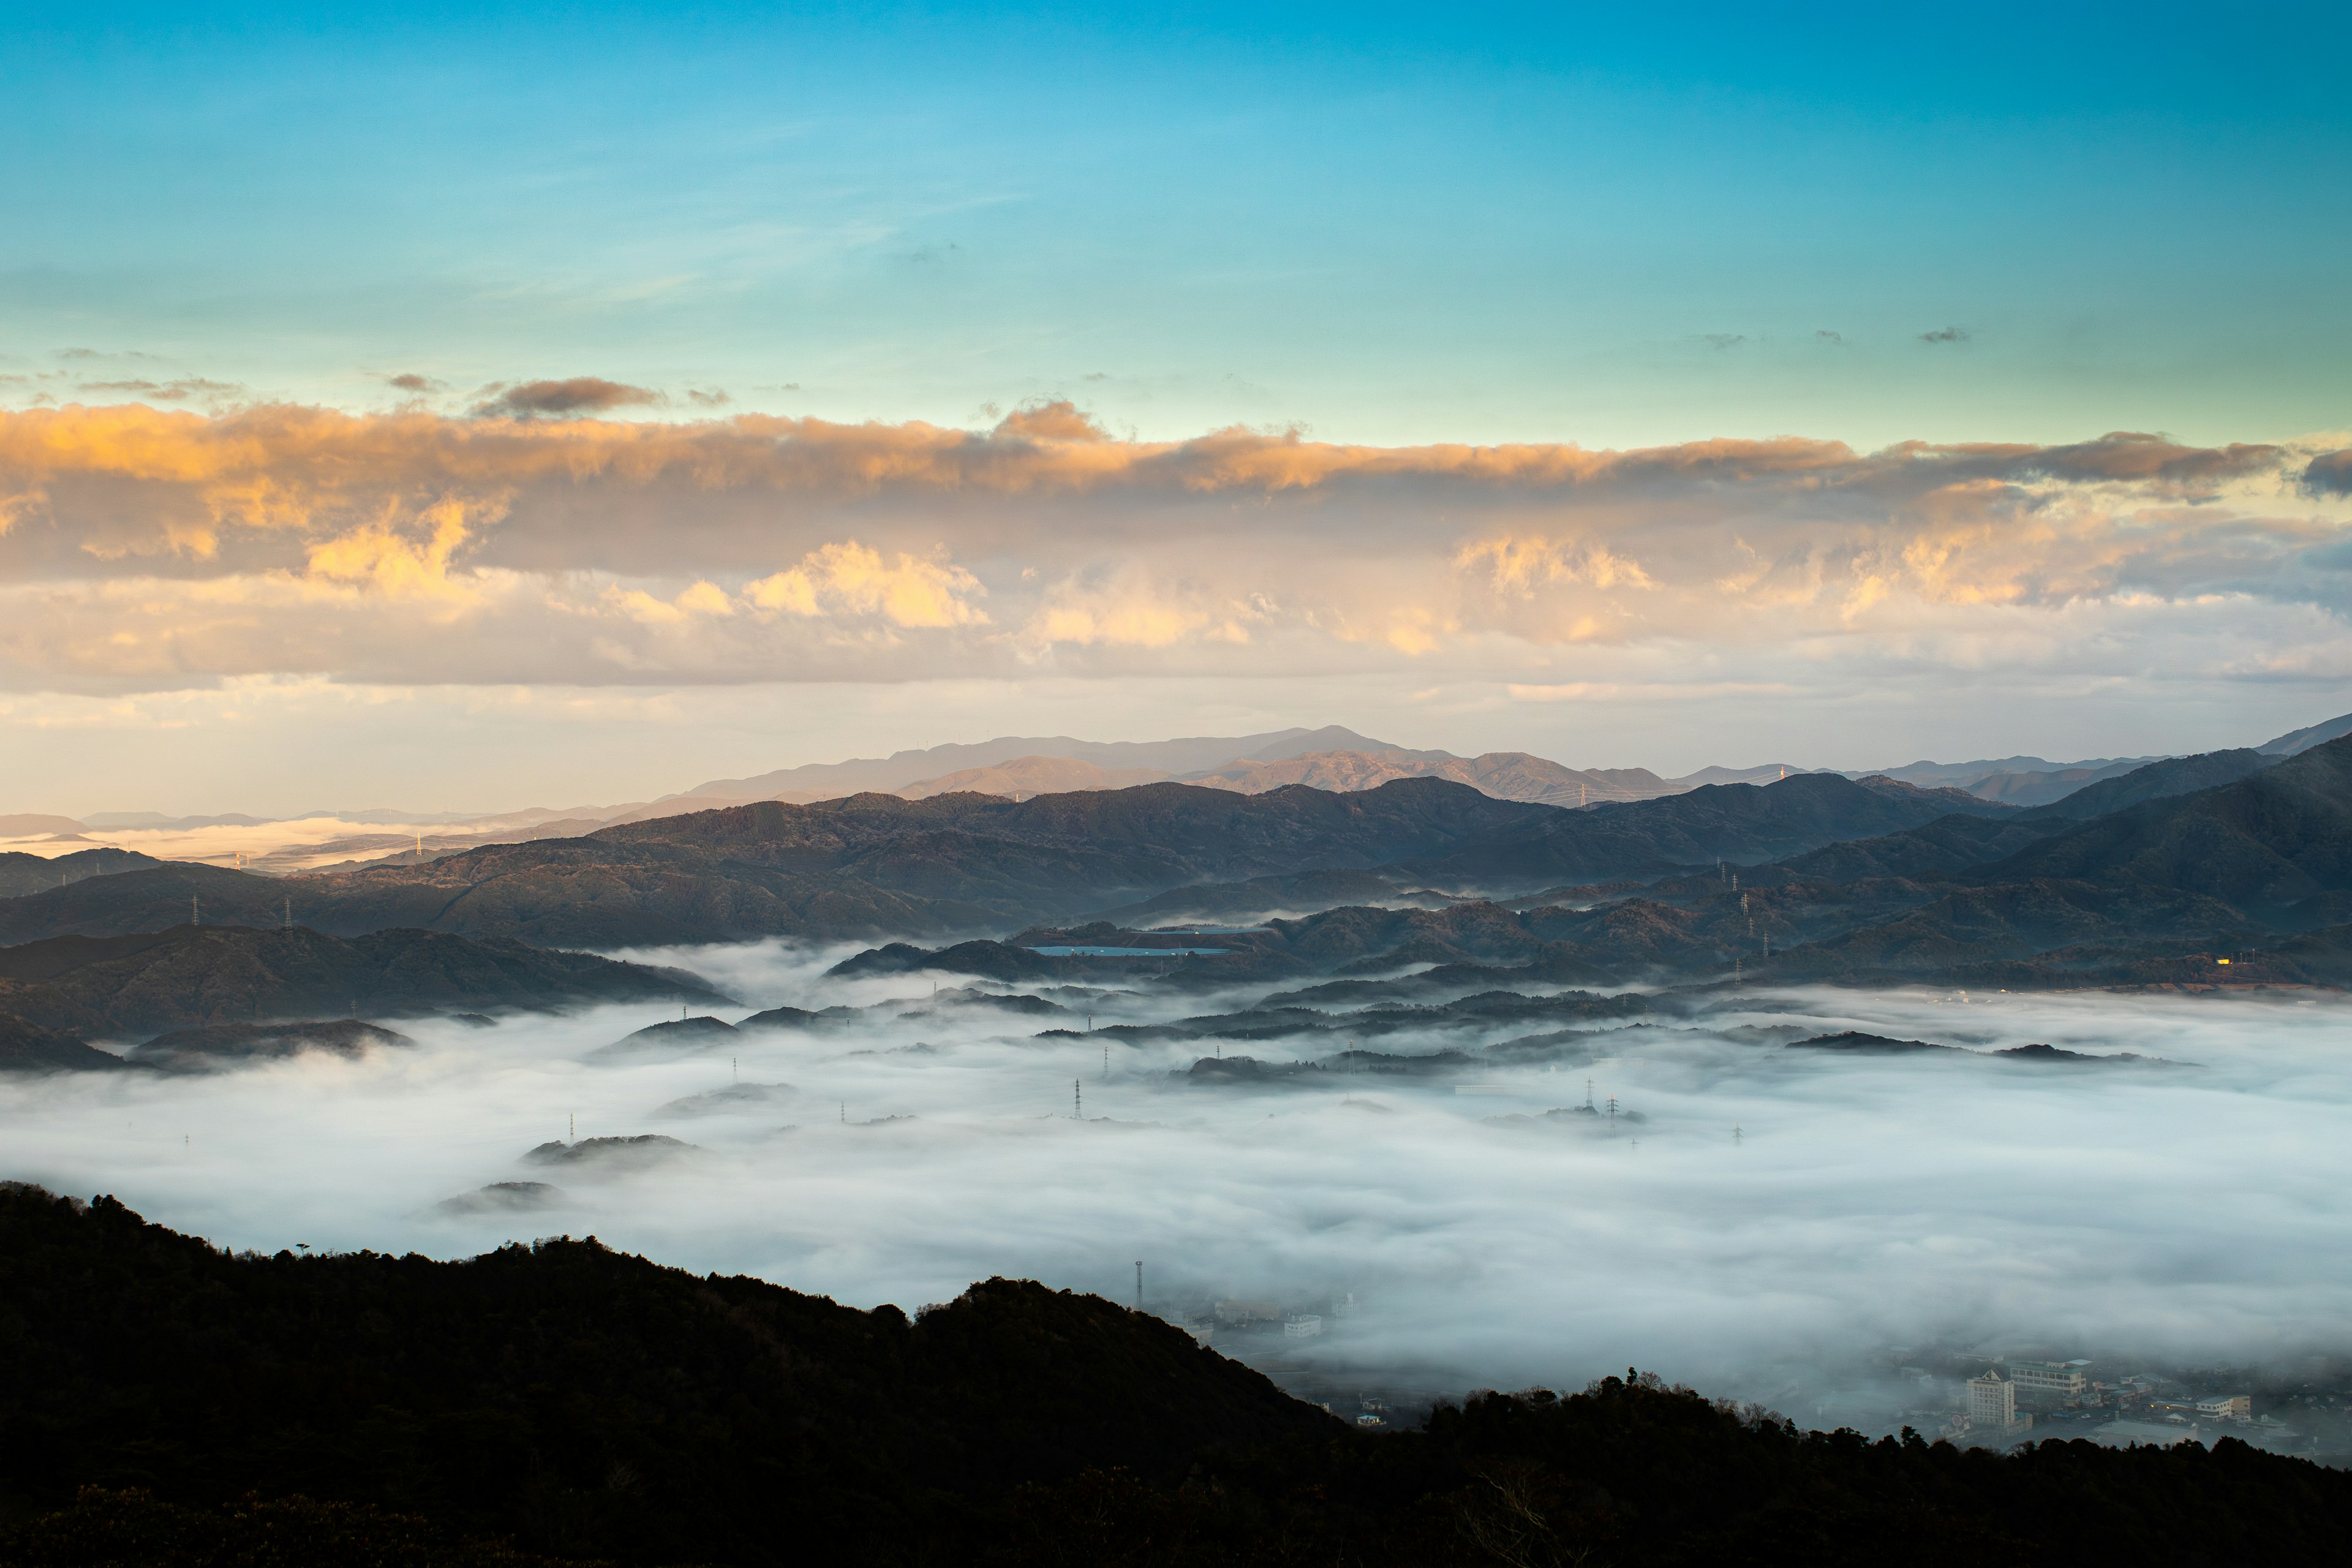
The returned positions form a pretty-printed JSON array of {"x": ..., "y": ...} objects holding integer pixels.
[
  {"x": 2046, "y": 1385},
  {"x": 1303, "y": 1326},
  {"x": 2146, "y": 1433},
  {"x": 1992, "y": 1408},
  {"x": 2226, "y": 1408}
]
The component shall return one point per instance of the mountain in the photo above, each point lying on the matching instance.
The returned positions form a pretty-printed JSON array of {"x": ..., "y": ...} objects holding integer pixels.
[
  {"x": 2153, "y": 877},
  {"x": 32, "y": 824},
  {"x": 878, "y": 865},
  {"x": 2041, "y": 788},
  {"x": 28, "y": 1047},
  {"x": 1026, "y": 776},
  {"x": 152, "y": 895},
  {"x": 129, "y": 987},
  {"x": 2262, "y": 844},
  {"x": 1732, "y": 822},
  {"x": 583, "y": 1399},
  {"x": 832, "y": 781},
  {"x": 1506, "y": 775},
  {"x": 21, "y": 873},
  {"x": 2302, "y": 740},
  {"x": 564, "y": 1398},
  {"x": 2158, "y": 780}
]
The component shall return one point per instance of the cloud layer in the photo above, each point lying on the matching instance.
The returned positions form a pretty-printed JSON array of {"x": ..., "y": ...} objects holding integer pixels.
[
  {"x": 2190, "y": 1213},
  {"x": 145, "y": 548}
]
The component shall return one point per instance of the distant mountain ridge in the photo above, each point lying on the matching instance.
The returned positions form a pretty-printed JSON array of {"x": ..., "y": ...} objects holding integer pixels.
[{"x": 1331, "y": 757}]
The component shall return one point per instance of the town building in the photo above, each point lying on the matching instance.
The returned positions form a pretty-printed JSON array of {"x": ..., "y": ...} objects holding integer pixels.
[
  {"x": 1992, "y": 1408},
  {"x": 2226, "y": 1408},
  {"x": 1302, "y": 1326},
  {"x": 2047, "y": 1384}
]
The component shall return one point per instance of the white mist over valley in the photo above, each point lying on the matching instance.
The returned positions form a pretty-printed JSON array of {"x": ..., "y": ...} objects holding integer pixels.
[{"x": 1767, "y": 1221}]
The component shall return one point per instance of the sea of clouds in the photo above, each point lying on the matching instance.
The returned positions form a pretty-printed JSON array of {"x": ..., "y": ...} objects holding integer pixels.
[{"x": 2190, "y": 1209}]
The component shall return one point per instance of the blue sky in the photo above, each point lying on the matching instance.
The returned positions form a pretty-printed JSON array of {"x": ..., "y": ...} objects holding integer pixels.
[{"x": 1612, "y": 227}]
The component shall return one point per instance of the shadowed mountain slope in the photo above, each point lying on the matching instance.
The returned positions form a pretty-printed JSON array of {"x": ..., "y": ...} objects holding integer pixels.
[
  {"x": 2158, "y": 780},
  {"x": 1740, "y": 823},
  {"x": 21, "y": 873},
  {"x": 128, "y": 986},
  {"x": 586, "y": 1400},
  {"x": 2269, "y": 840},
  {"x": 878, "y": 865}
]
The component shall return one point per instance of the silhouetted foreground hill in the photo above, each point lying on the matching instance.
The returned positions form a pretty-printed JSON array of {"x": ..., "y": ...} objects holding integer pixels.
[
  {"x": 565, "y": 1400},
  {"x": 132, "y": 986},
  {"x": 587, "y": 1402}
]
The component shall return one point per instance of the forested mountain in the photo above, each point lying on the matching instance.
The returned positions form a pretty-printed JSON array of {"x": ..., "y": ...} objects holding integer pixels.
[
  {"x": 127, "y": 987},
  {"x": 878, "y": 865},
  {"x": 21, "y": 873},
  {"x": 562, "y": 1400}
]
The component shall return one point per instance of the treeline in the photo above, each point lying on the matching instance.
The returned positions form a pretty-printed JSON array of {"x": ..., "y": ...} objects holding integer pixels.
[{"x": 164, "y": 1402}]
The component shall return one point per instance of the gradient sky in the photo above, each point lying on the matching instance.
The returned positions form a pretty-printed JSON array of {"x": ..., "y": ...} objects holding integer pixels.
[
  {"x": 1613, "y": 225},
  {"x": 1386, "y": 227}
]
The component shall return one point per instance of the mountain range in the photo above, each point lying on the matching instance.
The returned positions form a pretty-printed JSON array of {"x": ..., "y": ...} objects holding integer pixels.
[
  {"x": 1018, "y": 767},
  {"x": 2226, "y": 868}
]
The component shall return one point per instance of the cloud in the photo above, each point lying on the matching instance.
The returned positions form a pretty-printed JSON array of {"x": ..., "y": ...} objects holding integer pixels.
[
  {"x": 708, "y": 397},
  {"x": 1723, "y": 340},
  {"x": 410, "y": 381},
  {"x": 166, "y": 391},
  {"x": 1945, "y": 335},
  {"x": 2329, "y": 474},
  {"x": 849, "y": 578},
  {"x": 412, "y": 546},
  {"x": 579, "y": 395},
  {"x": 1780, "y": 1264},
  {"x": 1827, "y": 336}
]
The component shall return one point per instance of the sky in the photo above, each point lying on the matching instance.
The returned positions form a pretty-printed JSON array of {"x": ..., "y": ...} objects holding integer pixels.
[{"x": 497, "y": 407}]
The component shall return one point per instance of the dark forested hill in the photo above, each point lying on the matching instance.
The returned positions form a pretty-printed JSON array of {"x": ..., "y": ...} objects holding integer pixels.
[
  {"x": 152, "y": 895},
  {"x": 882, "y": 866},
  {"x": 2267, "y": 841},
  {"x": 592, "y": 1402},
  {"x": 128, "y": 987},
  {"x": 21, "y": 873},
  {"x": 1740, "y": 823},
  {"x": 582, "y": 1404}
]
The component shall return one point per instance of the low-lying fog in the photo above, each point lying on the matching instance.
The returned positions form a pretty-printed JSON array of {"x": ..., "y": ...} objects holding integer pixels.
[{"x": 2193, "y": 1211}]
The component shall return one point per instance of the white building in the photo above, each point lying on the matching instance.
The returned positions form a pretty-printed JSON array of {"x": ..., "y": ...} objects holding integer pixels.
[
  {"x": 2226, "y": 1408},
  {"x": 1304, "y": 1326},
  {"x": 1993, "y": 1407}
]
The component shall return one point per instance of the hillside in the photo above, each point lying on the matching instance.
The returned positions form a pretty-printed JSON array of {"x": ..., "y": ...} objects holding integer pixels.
[
  {"x": 878, "y": 865},
  {"x": 128, "y": 987},
  {"x": 565, "y": 1400},
  {"x": 589, "y": 1402},
  {"x": 21, "y": 873}
]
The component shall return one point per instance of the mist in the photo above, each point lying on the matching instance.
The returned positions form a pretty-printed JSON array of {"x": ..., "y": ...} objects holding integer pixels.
[{"x": 2188, "y": 1206}]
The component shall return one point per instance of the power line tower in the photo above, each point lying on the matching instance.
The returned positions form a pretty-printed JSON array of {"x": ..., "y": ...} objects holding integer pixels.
[
  {"x": 1077, "y": 1101},
  {"x": 1138, "y": 1284}
]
